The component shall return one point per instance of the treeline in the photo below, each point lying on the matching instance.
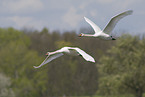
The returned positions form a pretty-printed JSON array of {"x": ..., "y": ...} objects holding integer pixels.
[
  {"x": 122, "y": 69},
  {"x": 67, "y": 75},
  {"x": 119, "y": 70}
]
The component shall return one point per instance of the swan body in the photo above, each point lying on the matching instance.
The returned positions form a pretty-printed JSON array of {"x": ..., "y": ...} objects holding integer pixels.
[
  {"x": 66, "y": 50},
  {"x": 104, "y": 34}
]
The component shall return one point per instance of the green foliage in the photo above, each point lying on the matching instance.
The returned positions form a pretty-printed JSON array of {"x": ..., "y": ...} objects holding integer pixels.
[
  {"x": 67, "y": 75},
  {"x": 5, "y": 83},
  {"x": 10, "y": 34},
  {"x": 16, "y": 61},
  {"x": 123, "y": 69},
  {"x": 44, "y": 30},
  {"x": 61, "y": 44}
]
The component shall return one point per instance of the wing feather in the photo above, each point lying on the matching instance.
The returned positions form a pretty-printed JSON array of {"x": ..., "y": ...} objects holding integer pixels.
[
  {"x": 110, "y": 26},
  {"x": 94, "y": 26},
  {"x": 48, "y": 59},
  {"x": 86, "y": 56}
]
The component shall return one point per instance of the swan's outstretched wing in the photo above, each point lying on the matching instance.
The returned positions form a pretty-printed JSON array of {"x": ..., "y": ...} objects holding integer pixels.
[
  {"x": 86, "y": 56},
  {"x": 110, "y": 26},
  {"x": 94, "y": 26},
  {"x": 48, "y": 59}
]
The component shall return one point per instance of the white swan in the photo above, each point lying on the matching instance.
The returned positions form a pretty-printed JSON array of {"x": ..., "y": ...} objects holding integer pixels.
[
  {"x": 66, "y": 50},
  {"x": 108, "y": 29}
]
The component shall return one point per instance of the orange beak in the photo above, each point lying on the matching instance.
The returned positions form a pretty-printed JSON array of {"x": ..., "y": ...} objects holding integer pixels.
[
  {"x": 46, "y": 54},
  {"x": 80, "y": 35}
]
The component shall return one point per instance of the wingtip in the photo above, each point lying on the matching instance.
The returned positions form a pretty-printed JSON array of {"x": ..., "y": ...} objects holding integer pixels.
[
  {"x": 93, "y": 61},
  {"x": 85, "y": 18},
  {"x": 129, "y": 12},
  {"x": 35, "y": 67}
]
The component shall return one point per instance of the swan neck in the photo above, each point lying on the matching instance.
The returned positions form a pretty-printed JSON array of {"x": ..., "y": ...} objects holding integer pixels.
[
  {"x": 52, "y": 53},
  {"x": 88, "y": 35}
]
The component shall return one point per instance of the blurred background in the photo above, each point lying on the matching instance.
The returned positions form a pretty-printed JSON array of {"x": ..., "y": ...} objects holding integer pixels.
[{"x": 30, "y": 28}]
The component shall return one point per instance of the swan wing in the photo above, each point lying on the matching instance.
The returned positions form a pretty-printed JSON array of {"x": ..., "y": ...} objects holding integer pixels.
[
  {"x": 110, "y": 26},
  {"x": 48, "y": 59},
  {"x": 86, "y": 56},
  {"x": 94, "y": 26}
]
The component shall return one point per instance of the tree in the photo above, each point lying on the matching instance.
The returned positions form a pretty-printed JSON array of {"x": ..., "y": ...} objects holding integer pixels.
[
  {"x": 69, "y": 75},
  {"x": 5, "y": 87},
  {"x": 17, "y": 61},
  {"x": 123, "y": 69}
]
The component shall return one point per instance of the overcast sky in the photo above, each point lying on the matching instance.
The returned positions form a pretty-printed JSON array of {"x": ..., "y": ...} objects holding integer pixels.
[{"x": 67, "y": 15}]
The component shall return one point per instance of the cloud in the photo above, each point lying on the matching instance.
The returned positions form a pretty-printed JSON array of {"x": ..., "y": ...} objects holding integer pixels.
[
  {"x": 62, "y": 14},
  {"x": 20, "y": 6},
  {"x": 105, "y": 1},
  {"x": 20, "y": 21},
  {"x": 27, "y": 22},
  {"x": 71, "y": 17}
]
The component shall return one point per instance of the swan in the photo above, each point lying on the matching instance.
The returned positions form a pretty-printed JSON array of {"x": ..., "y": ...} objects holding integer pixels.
[
  {"x": 104, "y": 34},
  {"x": 65, "y": 50}
]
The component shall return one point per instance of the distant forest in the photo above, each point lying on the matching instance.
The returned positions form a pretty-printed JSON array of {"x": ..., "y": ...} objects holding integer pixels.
[{"x": 69, "y": 75}]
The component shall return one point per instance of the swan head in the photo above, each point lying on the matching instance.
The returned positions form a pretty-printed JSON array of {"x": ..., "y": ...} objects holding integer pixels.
[
  {"x": 80, "y": 35},
  {"x": 47, "y": 54},
  {"x": 113, "y": 38}
]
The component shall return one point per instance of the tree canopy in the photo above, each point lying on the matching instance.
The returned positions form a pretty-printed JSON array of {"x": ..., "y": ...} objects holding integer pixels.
[
  {"x": 119, "y": 64},
  {"x": 122, "y": 70},
  {"x": 68, "y": 75}
]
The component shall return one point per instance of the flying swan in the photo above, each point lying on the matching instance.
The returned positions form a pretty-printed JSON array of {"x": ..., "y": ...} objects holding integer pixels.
[
  {"x": 104, "y": 34},
  {"x": 66, "y": 50}
]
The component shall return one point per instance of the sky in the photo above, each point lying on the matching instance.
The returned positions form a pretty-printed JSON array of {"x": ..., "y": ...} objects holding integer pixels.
[{"x": 68, "y": 15}]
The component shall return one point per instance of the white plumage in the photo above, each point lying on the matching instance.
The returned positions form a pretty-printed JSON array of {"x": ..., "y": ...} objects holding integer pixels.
[
  {"x": 66, "y": 50},
  {"x": 104, "y": 34}
]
